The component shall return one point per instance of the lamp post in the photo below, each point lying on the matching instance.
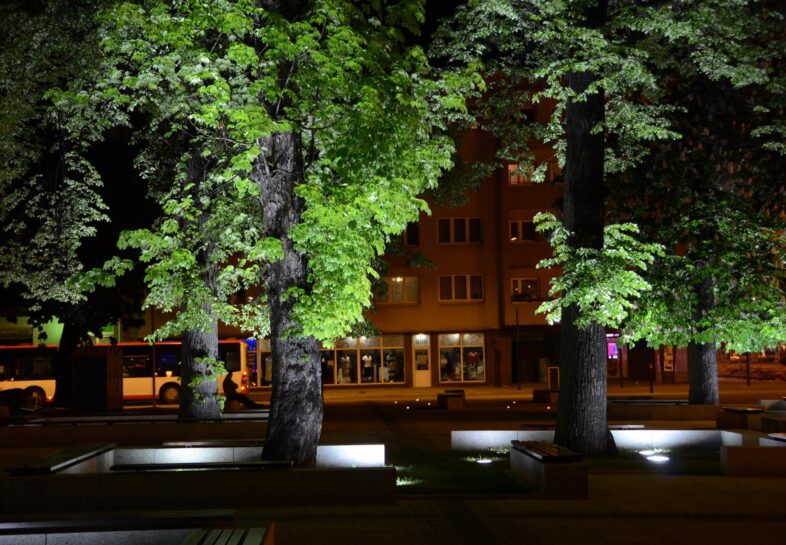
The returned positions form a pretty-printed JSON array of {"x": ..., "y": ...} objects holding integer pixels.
[{"x": 518, "y": 349}]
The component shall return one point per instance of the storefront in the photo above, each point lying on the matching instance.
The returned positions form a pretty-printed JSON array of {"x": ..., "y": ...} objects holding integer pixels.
[{"x": 462, "y": 357}]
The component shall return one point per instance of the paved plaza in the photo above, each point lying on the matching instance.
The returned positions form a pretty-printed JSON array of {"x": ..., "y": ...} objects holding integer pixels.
[{"x": 624, "y": 506}]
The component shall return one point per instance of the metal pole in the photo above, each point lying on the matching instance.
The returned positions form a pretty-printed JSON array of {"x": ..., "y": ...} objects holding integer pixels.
[
  {"x": 748, "y": 368},
  {"x": 619, "y": 359},
  {"x": 518, "y": 348},
  {"x": 153, "y": 356}
]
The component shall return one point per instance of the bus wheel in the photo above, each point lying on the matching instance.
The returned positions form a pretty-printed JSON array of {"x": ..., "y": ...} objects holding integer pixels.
[
  {"x": 36, "y": 396},
  {"x": 169, "y": 393}
]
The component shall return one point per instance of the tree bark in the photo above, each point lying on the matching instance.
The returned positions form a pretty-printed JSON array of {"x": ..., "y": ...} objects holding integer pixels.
[
  {"x": 582, "y": 423},
  {"x": 296, "y": 400},
  {"x": 703, "y": 364},
  {"x": 200, "y": 400}
]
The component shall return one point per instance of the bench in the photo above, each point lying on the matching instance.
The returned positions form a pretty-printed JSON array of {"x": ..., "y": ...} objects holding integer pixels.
[
  {"x": 172, "y": 466},
  {"x": 743, "y": 418},
  {"x": 542, "y": 395},
  {"x": 231, "y": 536},
  {"x": 451, "y": 399},
  {"x": 552, "y": 470},
  {"x": 62, "y": 459},
  {"x": 43, "y": 525}
]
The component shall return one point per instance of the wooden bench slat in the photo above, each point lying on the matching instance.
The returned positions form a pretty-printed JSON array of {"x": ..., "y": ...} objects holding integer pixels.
[
  {"x": 236, "y": 536},
  {"x": 546, "y": 451},
  {"x": 743, "y": 410},
  {"x": 226, "y": 536},
  {"x": 255, "y": 536},
  {"x": 195, "y": 537}
]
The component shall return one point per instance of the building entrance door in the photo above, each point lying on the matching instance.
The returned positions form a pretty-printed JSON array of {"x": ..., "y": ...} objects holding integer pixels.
[{"x": 421, "y": 358}]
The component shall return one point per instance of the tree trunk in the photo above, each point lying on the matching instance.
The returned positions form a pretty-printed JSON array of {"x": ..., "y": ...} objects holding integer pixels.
[
  {"x": 199, "y": 382},
  {"x": 582, "y": 423},
  {"x": 64, "y": 361},
  {"x": 296, "y": 400},
  {"x": 703, "y": 364}
]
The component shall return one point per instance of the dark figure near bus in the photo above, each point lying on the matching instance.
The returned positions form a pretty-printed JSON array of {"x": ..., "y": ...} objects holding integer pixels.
[{"x": 232, "y": 394}]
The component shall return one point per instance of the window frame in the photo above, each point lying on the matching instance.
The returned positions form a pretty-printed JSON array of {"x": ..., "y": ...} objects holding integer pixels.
[
  {"x": 468, "y": 288},
  {"x": 467, "y": 231},
  {"x": 519, "y": 225},
  {"x": 518, "y": 281},
  {"x": 405, "y": 280},
  {"x": 461, "y": 346},
  {"x": 518, "y": 180}
]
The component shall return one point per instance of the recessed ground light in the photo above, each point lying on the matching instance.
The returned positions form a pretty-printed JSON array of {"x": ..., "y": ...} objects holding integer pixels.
[
  {"x": 658, "y": 458},
  {"x": 417, "y": 399},
  {"x": 508, "y": 407},
  {"x": 429, "y": 403},
  {"x": 548, "y": 408},
  {"x": 646, "y": 452},
  {"x": 514, "y": 402},
  {"x": 395, "y": 403},
  {"x": 483, "y": 461},
  {"x": 407, "y": 407}
]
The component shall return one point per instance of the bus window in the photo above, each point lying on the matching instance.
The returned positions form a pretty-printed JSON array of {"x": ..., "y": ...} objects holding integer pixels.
[
  {"x": 231, "y": 357},
  {"x": 136, "y": 365},
  {"x": 168, "y": 365}
]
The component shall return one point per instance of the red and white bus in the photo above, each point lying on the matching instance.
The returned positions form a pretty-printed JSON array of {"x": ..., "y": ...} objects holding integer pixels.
[{"x": 31, "y": 368}]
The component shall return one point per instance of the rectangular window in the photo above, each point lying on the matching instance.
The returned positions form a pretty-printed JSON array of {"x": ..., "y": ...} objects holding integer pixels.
[
  {"x": 519, "y": 176},
  {"x": 459, "y": 230},
  {"x": 444, "y": 230},
  {"x": 445, "y": 288},
  {"x": 400, "y": 289},
  {"x": 525, "y": 289},
  {"x": 461, "y": 287},
  {"x": 524, "y": 231},
  {"x": 475, "y": 231},
  {"x": 462, "y": 357},
  {"x": 367, "y": 360},
  {"x": 412, "y": 234}
]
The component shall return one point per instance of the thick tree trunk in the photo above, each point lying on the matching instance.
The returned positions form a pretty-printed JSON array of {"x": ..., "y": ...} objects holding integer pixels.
[
  {"x": 703, "y": 364},
  {"x": 199, "y": 382},
  {"x": 296, "y": 400},
  {"x": 199, "y": 401},
  {"x": 582, "y": 423},
  {"x": 73, "y": 329}
]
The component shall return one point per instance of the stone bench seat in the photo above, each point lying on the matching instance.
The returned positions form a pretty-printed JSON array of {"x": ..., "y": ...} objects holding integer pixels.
[
  {"x": 175, "y": 466},
  {"x": 62, "y": 459}
]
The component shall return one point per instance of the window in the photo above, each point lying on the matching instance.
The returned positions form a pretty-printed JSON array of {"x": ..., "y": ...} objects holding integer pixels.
[
  {"x": 519, "y": 176},
  {"x": 461, "y": 288},
  {"x": 412, "y": 234},
  {"x": 524, "y": 231},
  {"x": 367, "y": 360},
  {"x": 459, "y": 230},
  {"x": 461, "y": 357},
  {"x": 525, "y": 289},
  {"x": 401, "y": 289}
]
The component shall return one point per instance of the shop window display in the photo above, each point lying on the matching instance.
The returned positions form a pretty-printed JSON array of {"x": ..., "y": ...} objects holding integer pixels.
[{"x": 462, "y": 357}]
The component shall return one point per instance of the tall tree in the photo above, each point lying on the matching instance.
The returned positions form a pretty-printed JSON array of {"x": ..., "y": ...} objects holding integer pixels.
[
  {"x": 53, "y": 201},
  {"x": 318, "y": 115},
  {"x": 718, "y": 199},
  {"x": 596, "y": 65}
]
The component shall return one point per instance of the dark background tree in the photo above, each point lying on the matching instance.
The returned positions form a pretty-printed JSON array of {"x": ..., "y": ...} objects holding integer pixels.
[{"x": 56, "y": 216}]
